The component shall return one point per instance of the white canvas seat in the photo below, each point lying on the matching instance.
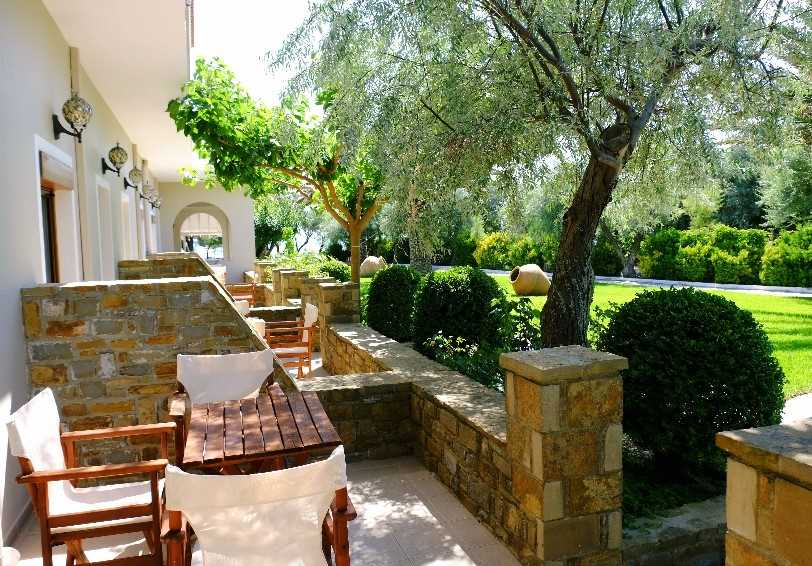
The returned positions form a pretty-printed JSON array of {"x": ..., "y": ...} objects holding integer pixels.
[
  {"x": 267, "y": 519},
  {"x": 209, "y": 379},
  {"x": 35, "y": 439}
]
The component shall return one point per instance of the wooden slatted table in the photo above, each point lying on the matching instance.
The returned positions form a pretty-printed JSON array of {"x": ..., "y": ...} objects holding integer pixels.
[{"x": 258, "y": 432}]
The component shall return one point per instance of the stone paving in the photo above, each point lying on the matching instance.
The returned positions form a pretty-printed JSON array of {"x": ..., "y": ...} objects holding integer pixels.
[{"x": 406, "y": 517}]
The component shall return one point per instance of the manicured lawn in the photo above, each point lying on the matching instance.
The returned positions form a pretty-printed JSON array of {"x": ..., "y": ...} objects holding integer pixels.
[{"x": 787, "y": 320}]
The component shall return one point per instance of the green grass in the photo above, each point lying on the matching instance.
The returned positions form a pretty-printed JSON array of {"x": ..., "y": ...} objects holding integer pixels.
[{"x": 787, "y": 320}]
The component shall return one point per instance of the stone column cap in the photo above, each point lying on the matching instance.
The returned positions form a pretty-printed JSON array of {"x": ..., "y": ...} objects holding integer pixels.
[
  {"x": 784, "y": 450},
  {"x": 340, "y": 285},
  {"x": 564, "y": 363}
]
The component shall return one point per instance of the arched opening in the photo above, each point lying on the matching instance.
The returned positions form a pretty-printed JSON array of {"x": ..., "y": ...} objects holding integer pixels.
[{"x": 203, "y": 228}]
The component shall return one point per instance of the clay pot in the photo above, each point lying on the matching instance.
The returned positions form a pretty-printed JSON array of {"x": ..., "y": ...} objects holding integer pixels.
[
  {"x": 529, "y": 280},
  {"x": 371, "y": 265}
]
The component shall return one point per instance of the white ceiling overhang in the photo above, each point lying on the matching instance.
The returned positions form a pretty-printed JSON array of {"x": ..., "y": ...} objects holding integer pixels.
[{"x": 137, "y": 55}]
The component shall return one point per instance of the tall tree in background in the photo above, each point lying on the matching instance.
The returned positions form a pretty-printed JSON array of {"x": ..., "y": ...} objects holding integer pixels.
[
  {"x": 739, "y": 204},
  {"x": 267, "y": 150},
  {"x": 512, "y": 81}
]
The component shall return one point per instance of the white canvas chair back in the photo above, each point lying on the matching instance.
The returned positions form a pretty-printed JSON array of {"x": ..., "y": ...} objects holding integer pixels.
[
  {"x": 270, "y": 519},
  {"x": 209, "y": 379},
  {"x": 243, "y": 307},
  {"x": 33, "y": 433},
  {"x": 311, "y": 314}
]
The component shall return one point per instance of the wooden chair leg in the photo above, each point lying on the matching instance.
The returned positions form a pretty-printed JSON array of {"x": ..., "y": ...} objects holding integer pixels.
[
  {"x": 326, "y": 546},
  {"x": 77, "y": 552}
]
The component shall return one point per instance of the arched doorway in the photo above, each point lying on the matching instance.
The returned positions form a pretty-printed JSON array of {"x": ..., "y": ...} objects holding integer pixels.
[{"x": 203, "y": 228}]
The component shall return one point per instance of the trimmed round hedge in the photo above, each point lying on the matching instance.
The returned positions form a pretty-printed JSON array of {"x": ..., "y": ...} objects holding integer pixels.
[
  {"x": 457, "y": 302},
  {"x": 390, "y": 302},
  {"x": 698, "y": 364}
]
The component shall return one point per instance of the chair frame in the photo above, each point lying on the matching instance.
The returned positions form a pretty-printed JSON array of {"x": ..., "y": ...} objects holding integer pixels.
[
  {"x": 290, "y": 334},
  {"x": 334, "y": 534},
  {"x": 243, "y": 291},
  {"x": 37, "y": 484}
]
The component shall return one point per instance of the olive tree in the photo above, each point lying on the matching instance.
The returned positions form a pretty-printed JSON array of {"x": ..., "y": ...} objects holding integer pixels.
[{"x": 493, "y": 83}]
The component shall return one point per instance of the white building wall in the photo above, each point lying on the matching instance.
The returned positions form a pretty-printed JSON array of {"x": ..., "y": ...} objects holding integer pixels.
[
  {"x": 35, "y": 79},
  {"x": 238, "y": 208}
]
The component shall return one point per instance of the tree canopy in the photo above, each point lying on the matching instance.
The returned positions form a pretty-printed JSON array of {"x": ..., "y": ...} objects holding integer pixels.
[
  {"x": 266, "y": 150},
  {"x": 466, "y": 89}
]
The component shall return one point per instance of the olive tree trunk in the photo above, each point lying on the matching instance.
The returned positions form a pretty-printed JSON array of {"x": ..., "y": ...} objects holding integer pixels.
[{"x": 566, "y": 313}]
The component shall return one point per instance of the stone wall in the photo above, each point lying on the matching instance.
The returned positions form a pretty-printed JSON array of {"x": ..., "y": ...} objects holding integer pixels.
[
  {"x": 769, "y": 494},
  {"x": 164, "y": 265},
  {"x": 108, "y": 350},
  {"x": 390, "y": 400}
]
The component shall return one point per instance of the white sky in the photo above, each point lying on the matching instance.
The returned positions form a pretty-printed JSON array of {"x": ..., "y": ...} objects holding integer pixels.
[{"x": 241, "y": 32}]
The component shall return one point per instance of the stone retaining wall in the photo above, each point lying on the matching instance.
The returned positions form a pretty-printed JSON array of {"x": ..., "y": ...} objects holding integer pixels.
[{"x": 108, "y": 350}]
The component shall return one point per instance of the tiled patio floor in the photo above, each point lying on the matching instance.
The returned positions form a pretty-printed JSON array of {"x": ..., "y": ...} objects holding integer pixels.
[{"x": 406, "y": 518}]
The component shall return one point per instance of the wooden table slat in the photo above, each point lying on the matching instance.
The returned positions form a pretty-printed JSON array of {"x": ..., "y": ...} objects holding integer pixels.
[
  {"x": 287, "y": 424},
  {"x": 252, "y": 433},
  {"x": 269, "y": 424},
  {"x": 214, "y": 432},
  {"x": 196, "y": 439},
  {"x": 326, "y": 430},
  {"x": 304, "y": 423},
  {"x": 233, "y": 430}
]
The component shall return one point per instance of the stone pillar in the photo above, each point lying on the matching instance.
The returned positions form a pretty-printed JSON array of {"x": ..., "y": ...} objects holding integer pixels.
[
  {"x": 291, "y": 282},
  {"x": 564, "y": 436},
  {"x": 309, "y": 289},
  {"x": 769, "y": 494},
  {"x": 338, "y": 303}
]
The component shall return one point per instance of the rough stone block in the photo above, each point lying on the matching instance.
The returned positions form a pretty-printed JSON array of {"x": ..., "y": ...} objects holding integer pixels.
[
  {"x": 792, "y": 519},
  {"x": 569, "y": 537},
  {"x": 594, "y": 402},
  {"x": 594, "y": 494}
]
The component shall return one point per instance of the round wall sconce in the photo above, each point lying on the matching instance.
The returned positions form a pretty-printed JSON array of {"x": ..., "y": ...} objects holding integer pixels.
[
  {"x": 77, "y": 113},
  {"x": 133, "y": 178},
  {"x": 118, "y": 157}
]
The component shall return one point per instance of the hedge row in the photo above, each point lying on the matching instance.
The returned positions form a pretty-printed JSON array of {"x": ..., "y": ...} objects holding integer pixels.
[
  {"x": 501, "y": 250},
  {"x": 719, "y": 253}
]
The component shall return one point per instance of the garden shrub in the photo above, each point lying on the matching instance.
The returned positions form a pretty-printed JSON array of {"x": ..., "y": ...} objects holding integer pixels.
[
  {"x": 331, "y": 267},
  {"x": 493, "y": 251},
  {"x": 698, "y": 364},
  {"x": 729, "y": 268},
  {"x": 477, "y": 362},
  {"x": 548, "y": 248},
  {"x": 459, "y": 303},
  {"x": 500, "y": 250},
  {"x": 390, "y": 302},
  {"x": 694, "y": 262},
  {"x": 462, "y": 250},
  {"x": 605, "y": 260},
  {"x": 696, "y": 253},
  {"x": 524, "y": 251},
  {"x": 658, "y": 254},
  {"x": 787, "y": 260},
  {"x": 317, "y": 265}
]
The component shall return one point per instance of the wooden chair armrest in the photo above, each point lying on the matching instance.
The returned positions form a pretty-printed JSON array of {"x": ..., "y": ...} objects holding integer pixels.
[
  {"x": 118, "y": 432},
  {"x": 177, "y": 405},
  {"x": 346, "y": 514},
  {"x": 283, "y": 323},
  {"x": 89, "y": 472}
]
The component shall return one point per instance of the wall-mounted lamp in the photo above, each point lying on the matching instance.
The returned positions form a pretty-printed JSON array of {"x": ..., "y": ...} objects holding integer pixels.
[
  {"x": 77, "y": 112},
  {"x": 134, "y": 178},
  {"x": 118, "y": 157}
]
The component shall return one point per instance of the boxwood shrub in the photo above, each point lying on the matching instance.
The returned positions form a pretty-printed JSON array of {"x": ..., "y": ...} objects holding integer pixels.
[
  {"x": 605, "y": 260},
  {"x": 698, "y": 364},
  {"x": 788, "y": 259},
  {"x": 390, "y": 302},
  {"x": 658, "y": 254},
  {"x": 458, "y": 303}
]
